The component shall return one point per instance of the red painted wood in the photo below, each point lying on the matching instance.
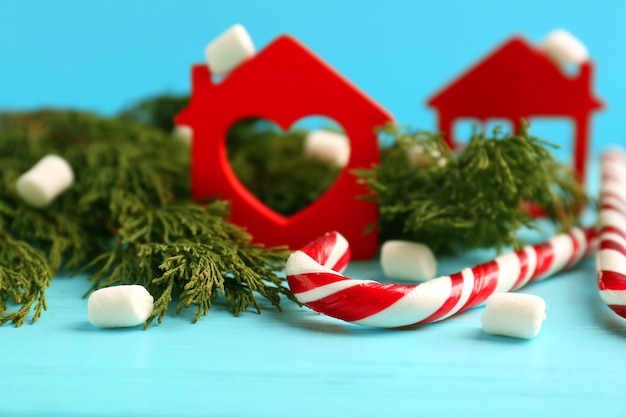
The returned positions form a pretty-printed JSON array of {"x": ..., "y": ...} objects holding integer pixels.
[
  {"x": 284, "y": 83},
  {"x": 518, "y": 81}
]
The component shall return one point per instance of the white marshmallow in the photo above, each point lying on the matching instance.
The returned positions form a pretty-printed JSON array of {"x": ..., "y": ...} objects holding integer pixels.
[
  {"x": 183, "y": 134},
  {"x": 327, "y": 146},
  {"x": 119, "y": 306},
  {"x": 228, "y": 50},
  {"x": 407, "y": 261},
  {"x": 416, "y": 155},
  {"x": 419, "y": 155},
  {"x": 564, "y": 48},
  {"x": 514, "y": 315},
  {"x": 44, "y": 182}
]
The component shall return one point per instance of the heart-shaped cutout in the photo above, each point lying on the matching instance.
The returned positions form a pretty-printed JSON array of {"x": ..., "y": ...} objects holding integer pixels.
[{"x": 287, "y": 170}]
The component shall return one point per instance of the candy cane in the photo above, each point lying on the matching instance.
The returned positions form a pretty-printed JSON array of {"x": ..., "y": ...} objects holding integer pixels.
[
  {"x": 611, "y": 257},
  {"x": 314, "y": 276}
]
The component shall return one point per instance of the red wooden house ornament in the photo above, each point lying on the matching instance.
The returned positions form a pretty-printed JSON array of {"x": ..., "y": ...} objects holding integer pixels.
[
  {"x": 283, "y": 83},
  {"x": 515, "y": 82}
]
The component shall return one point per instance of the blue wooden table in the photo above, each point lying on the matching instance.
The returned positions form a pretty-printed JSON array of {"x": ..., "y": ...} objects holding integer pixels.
[{"x": 300, "y": 363}]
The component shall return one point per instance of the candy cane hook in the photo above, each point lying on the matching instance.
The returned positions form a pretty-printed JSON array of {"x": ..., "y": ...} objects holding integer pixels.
[
  {"x": 611, "y": 257},
  {"x": 314, "y": 276}
]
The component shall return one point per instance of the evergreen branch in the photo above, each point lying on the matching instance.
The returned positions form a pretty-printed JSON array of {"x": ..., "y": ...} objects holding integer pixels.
[
  {"x": 156, "y": 111},
  {"x": 189, "y": 250},
  {"x": 24, "y": 277},
  {"x": 127, "y": 219},
  {"x": 471, "y": 199}
]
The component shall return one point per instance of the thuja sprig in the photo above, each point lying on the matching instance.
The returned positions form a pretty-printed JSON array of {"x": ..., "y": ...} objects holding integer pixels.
[
  {"x": 157, "y": 111},
  {"x": 191, "y": 250},
  {"x": 127, "y": 218},
  {"x": 474, "y": 198},
  {"x": 24, "y": 277}
]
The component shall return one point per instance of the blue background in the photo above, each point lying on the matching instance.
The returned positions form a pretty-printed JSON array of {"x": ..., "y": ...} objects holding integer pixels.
[{"x": 103, "y": 56}]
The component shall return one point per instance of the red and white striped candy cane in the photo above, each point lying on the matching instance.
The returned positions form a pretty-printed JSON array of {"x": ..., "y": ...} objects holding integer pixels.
[
  {"x": 314, "y": 276},
  {"x": 611, "y": 257}
]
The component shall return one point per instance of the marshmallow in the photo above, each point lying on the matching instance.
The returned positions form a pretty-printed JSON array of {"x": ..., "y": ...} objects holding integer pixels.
[
  {"x": 407, "y": 261},
  {"x": 227, "y": 51},
  {"x": 419, "y": 156},
  {"x": 514, "y": 315},
  {"x": 564, "y": 48},
  {"x": 45, "y": 181},
  {"x": 119, "y": 306},
  {"x": 327, "y": 146},
  {"x": 183, "y": 134}
]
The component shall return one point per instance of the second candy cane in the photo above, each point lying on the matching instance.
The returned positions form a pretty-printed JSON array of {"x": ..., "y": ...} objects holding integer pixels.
[
  {"x": 314, "y": 276},
  {"x": 611, "y": 258}
]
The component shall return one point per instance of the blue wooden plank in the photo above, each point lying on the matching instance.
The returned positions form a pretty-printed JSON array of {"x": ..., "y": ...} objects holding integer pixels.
[{"x": 297, "y": 361}]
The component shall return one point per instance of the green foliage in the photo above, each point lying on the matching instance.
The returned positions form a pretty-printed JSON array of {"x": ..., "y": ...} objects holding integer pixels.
[
  {"x": 60, "y": 232},
  {"x": 158, "y": 111},
  {"x": 127, "y": 218},
  {"x": 475, "y": 198},
  {"x": 24, "y": 276},
  {"x": 191, "y": 249}
]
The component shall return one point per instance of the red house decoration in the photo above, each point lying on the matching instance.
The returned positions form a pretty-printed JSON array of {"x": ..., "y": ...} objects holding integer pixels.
[
  {"x": 515, "y": 82},
  {"x": 284, "y": 82}
]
